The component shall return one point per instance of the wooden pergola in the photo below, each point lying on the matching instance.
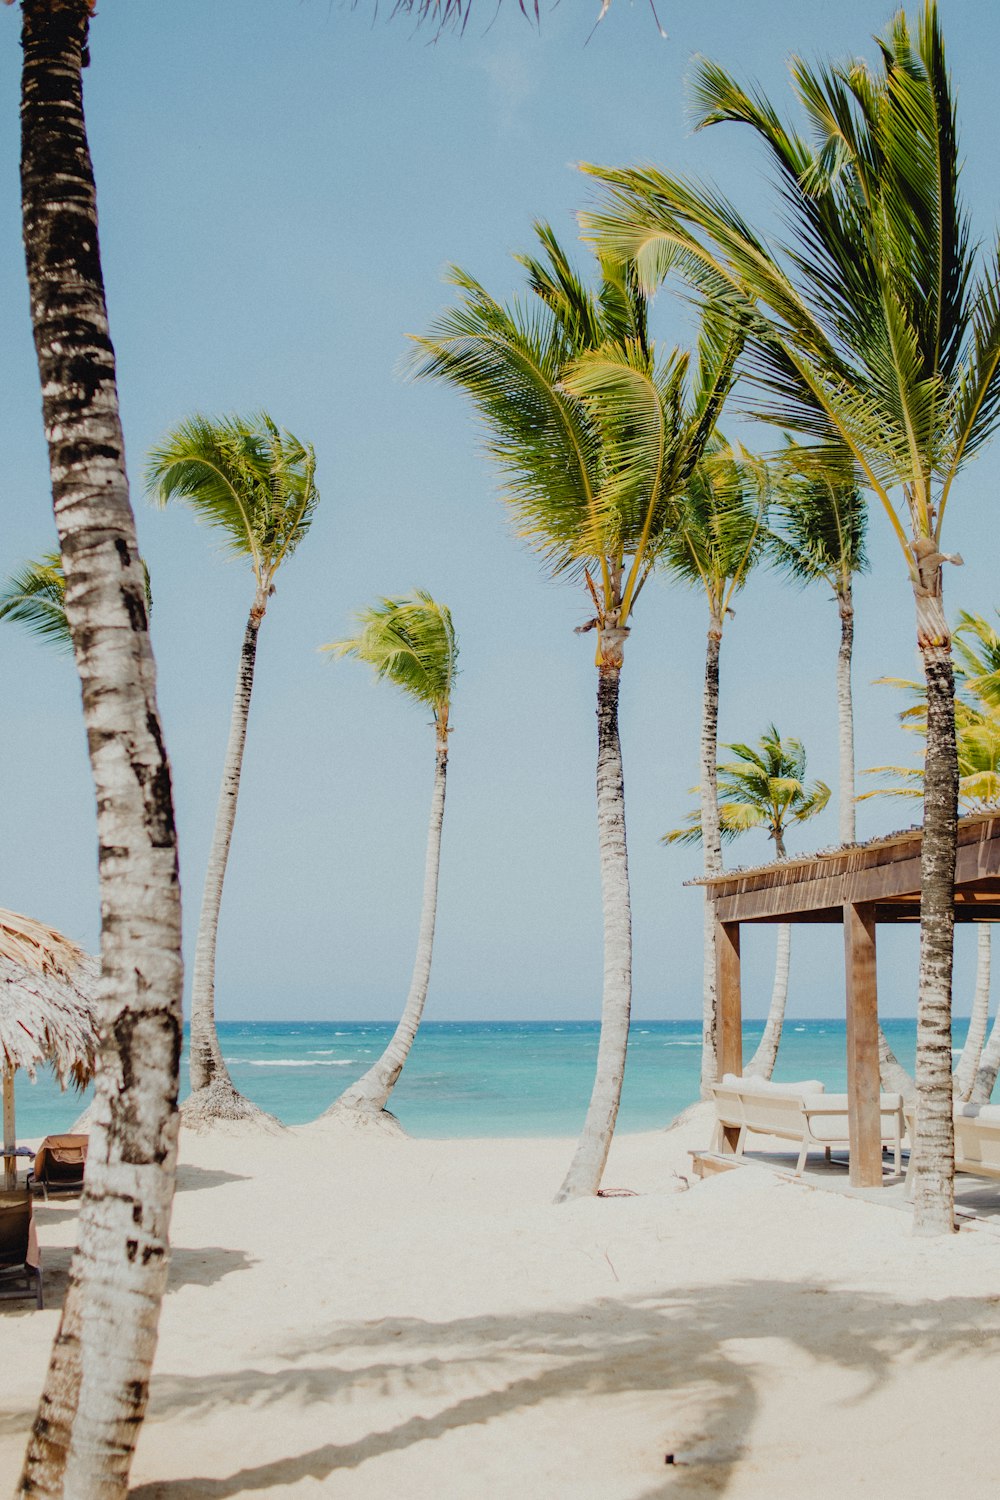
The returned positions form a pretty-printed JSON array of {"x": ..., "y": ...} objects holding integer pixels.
[{"x": 859, "y": 885}]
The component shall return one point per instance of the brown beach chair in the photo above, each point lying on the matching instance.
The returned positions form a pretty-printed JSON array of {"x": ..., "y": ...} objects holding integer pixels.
[
  {"x": 19, "y": 1259},
  {"x": 59, "y": 1164}
]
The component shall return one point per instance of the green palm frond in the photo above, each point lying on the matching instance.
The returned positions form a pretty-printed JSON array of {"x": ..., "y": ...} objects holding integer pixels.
[
  {"x": 244, "y": 476},
  {"x": 875, "y": 327},
  {"x": 595, "y": 432},
  {"x": 764, "y": 787},
  {"x": 35, "y": 596},
  {"x": 977, "y": 658},
  {"x": 819, "y": 517},
  {"x": 720, "y": 532},
  {"x": 410, "y": 641}
]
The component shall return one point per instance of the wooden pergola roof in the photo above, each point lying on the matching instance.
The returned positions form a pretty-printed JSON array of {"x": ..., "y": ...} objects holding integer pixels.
[{"x": 882, "y": 875}]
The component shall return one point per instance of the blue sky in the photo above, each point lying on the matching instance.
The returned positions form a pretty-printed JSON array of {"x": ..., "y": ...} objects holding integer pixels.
[{"x": 280, "y": 187}]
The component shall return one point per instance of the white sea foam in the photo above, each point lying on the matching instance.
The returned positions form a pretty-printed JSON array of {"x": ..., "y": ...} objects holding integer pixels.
[{"x": 296, "y": 1062}]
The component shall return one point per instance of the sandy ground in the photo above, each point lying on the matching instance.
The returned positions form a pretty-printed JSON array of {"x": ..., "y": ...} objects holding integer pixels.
[{"x": 391, "y": 1319}]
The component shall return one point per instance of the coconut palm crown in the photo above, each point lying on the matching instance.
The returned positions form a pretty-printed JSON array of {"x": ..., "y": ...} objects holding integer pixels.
[
  {"x": 764, "y": 787},
  {"x": 35, "y": 597},
  {"x": 245, "y": 477},
  {"x": 411, "y": 642}
]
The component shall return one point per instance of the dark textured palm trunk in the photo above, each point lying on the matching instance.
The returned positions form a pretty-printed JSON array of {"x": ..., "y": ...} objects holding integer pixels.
[
  {"x": 370, "y": 1094},
  {"x": 587, "y": 1167},
  {"x": 935, "y": 1131},
  {"x": 96, "y": 1387},
  {"x": 711, "y": 840},
  {"x": 207, "y": 1065},
  {"x": 895, "y": 1079}
]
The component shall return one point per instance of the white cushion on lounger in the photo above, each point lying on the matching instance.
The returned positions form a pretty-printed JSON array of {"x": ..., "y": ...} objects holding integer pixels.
[
  {"x": 768, "y": 1085},
  {"x": 988, "y": 1113}
]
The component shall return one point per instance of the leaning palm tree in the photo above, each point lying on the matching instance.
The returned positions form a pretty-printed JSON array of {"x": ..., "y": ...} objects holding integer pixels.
[
  {"x": 256, "y": 484},
  {"x": 98, "y": 1377},
  {"x": 410, "y": 642},
  {"x": 877, "y": 328},
  {"x": 597, "y": 435},
  {"x": 764, "y": 787},
  {"x": 718, "y": 539}
]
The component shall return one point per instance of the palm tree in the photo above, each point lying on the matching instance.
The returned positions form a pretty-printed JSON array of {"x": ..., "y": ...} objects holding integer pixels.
[
  {"x": 877, "y": 328},
  {"x": 597, "y": 436},
  {"x": 98, "y": 1376},
  {"x": 718, "y": 539},
  {"x": 411, "y": 642},
  {"x": 256, "y": 484},
  {"x": 764, "y": 787}
]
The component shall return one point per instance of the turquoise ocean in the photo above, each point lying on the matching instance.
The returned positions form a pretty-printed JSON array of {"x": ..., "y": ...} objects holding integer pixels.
[{"x": 482, "y": 1078}]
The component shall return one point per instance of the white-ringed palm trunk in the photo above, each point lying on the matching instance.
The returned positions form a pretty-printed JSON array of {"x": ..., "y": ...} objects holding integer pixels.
[
  {"x": 989, "y": 1066},
  {"x": 968, "y": 1064},
  {"x": 370, "y": 1094},
  {"x": 934, "y": 1147},
  {"x": 214, "y": 1095},
  {"x": 587, "y": 1167},
  {"x": 761, "y": 1065},
  {"x": 894, "y": 1077},
  {"x": 96, "y": 1386},
  {"x": 711, "y": 840}
]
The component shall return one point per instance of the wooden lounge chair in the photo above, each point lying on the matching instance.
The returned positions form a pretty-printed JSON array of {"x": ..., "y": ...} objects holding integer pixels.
[
  {"x": 59, "y": 1164},
  {"x": 800, "y": 1112},
  {"x": 19, "y": 1259},
  {"x": 977, "y": 1141}
]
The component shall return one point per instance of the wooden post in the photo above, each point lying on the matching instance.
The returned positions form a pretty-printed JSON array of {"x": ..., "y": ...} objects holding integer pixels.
[
  {"x": 863, "y": 1084},
  {"x": 727, "y": 968},
  {"x": 9, "y": 1138}
]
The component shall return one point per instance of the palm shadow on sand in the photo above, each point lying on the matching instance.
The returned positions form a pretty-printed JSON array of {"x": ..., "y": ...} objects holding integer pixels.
[{"x": 661, "y": 1345}]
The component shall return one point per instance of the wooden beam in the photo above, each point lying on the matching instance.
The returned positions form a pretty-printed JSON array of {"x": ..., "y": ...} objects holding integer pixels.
[
  {"x": 727, "y": 970},
  {"x": 9, "y": 1137},
  {"x": 863, "y": 1084}
]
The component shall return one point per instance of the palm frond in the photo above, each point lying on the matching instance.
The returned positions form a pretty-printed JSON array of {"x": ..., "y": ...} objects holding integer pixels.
[
  {"x": 410, "y": 641},
  {"x": 244, "y": 476},
  {"x": 35, "y": 596}
]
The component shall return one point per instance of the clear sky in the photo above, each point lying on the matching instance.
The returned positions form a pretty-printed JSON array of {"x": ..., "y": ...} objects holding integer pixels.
[{"x": 280, "y": 186}]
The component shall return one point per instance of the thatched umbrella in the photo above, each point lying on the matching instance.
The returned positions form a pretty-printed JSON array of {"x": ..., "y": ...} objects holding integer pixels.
[{"x": 47, "y": 1011}]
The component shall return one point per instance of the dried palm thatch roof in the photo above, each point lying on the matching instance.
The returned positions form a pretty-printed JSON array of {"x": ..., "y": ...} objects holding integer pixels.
[{"x": 48, "y": 987}]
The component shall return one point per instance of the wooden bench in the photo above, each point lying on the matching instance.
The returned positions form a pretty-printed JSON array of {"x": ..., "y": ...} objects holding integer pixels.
[
  {"x": 799, "y": 1112},
  {"x": 977, "y": 1141}
]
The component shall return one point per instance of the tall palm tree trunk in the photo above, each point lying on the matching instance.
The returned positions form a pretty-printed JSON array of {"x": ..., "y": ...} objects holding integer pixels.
[
  {"x": 711, "y": 840},
  {"x": 370, "y": 1094},
  {"x": 587, "y": 1167},
  {"x": 989, "y": 1066},
  {"x": 967, "y": 1072},
  {"x": 208, "y": 1069},
  {"x": 761, "y": 1065},
  {"x": 894, "y": 1077},
  {"x": 97, "y": 1382},
  {"x": 934, "y": 1198}
]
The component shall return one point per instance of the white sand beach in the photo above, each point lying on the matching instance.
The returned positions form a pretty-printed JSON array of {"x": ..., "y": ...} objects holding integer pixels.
[{"x": 367, "y": 1317}]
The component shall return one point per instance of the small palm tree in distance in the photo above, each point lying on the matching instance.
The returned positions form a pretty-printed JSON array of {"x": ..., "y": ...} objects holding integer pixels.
[
  {"x": 764, "y": 787},
  {"x": 256, "y": 485},
  {"x": 411, "y": 643}
]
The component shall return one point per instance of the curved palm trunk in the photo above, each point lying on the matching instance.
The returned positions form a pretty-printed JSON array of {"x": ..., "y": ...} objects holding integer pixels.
[
  {"x": 370, "y": 1094},
  {"x": 968, "y": 1064},
  {"x": 894, "y": 1077},
  {"x": 95, "y": 1390},
  {"x": 711, "y": 840},
  {"x": 989, "y": 1066},
  {"x": 761, "y": 1065},
  {"x": 587, "y": 1167},
  {"x": 934, "y": 1198},
  {"x": 208, "y": 1069}
]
